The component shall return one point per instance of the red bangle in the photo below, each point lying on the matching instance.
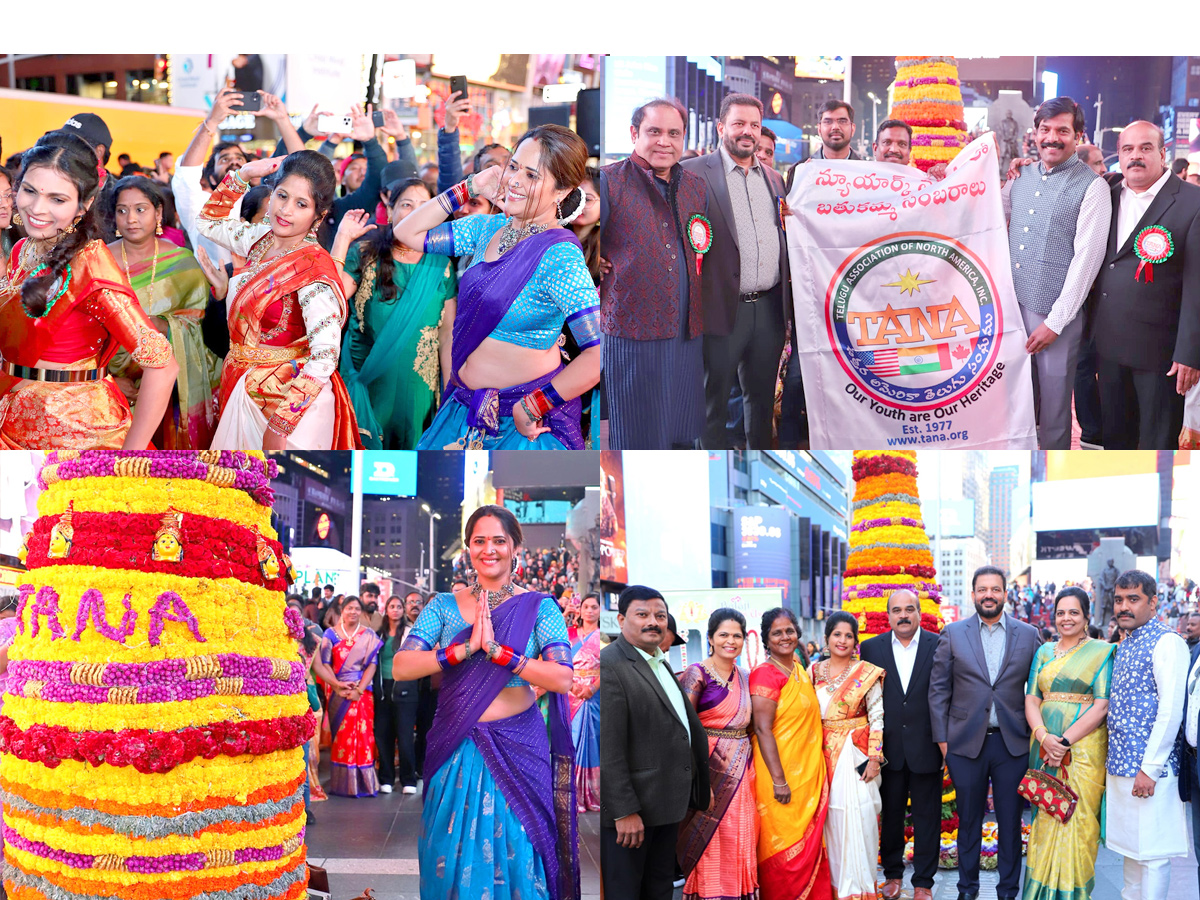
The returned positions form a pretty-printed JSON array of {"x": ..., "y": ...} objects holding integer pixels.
[
  {"x": 504, "y": 657},
  {"x": 541, "y": 404}
]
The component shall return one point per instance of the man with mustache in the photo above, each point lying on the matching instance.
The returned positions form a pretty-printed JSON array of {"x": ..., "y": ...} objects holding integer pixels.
[
  {"x": 914, "y": 762},
  {"x": 1144, "y": 819},
  {"x": 1058, "y": 215},
  {"x": 835, "y": 126},
  {"x": 653, "y": 752},
  {"x": 745, "y": 285},
  {"x": 1144, "y": 315},
  {"x": 977, "y": 716},
  {"x": 893, "y": 142}
]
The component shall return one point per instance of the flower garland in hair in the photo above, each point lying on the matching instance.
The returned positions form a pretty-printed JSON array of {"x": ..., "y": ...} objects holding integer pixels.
[{"x": 567, "y": 220}]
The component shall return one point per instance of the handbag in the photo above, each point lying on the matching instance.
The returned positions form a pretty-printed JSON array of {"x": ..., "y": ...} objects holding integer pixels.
[{"x": 1050, "y": 794}]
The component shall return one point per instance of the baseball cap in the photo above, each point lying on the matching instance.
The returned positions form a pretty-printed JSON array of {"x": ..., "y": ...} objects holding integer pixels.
[
  {"x": 679, "y": 641},
  {"x": 90, "y": 127}
]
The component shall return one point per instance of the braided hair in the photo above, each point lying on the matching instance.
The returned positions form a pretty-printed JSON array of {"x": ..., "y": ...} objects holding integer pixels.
[
  {"x": 72, "y": 157},
  {"x": 377, "y": 247}
]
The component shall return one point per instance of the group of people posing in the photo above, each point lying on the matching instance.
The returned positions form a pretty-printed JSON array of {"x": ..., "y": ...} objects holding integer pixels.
[{"x": 787, "y": 783}]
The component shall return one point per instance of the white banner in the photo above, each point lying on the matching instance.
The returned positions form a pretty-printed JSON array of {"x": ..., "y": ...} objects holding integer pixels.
[{"x": 908, "y": 327}]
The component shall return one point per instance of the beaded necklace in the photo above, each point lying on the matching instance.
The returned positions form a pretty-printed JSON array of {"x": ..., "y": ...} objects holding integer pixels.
[
  {"x": 495, "y": 598},
  {"x": 153, "y": 272},
  {"x": 30, "y": 266}
]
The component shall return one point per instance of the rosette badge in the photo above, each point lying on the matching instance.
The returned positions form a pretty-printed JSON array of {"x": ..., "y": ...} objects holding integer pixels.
[
  {"x": 1153, "y": 245},
  {"x": 152, "y": 734}
]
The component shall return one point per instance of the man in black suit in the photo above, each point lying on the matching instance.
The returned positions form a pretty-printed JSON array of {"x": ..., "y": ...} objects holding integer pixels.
[
  {"x": 1145, "y": 316},
  {"x": 914, "y": 761},
  {"x": 653, "y": 753},
  {"x": 977, "y": 715},
  {"x": 745, "y": 284}
]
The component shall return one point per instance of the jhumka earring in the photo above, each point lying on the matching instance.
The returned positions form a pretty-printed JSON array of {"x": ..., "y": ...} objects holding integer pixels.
[
  {"x": 117, "y": 232},
  {"x": 158, "y": 229},
  {"x": 16, "y": 218}
]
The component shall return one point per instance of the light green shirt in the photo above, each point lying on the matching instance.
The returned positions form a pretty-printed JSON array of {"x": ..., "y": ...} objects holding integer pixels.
[{"x": 658, "y": 665}]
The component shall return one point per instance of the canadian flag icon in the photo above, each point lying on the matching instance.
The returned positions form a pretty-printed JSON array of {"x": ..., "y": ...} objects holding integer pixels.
[{"x": 962, "y": 349}]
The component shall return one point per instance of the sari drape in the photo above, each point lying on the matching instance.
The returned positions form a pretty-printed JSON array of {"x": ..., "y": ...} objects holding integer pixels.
[
  {"x": 585, "y": 722},
  {"x": 180, "y": 296},
  {"x": 352, "y": 724},
  {"x": 486, "y": 291},
  {"x": 398, "y": 339},
  {"x": 852, "y": 722},
  {"x": 717, "y": 847},
  {"x": 792, "y": 861},
  {"x": 1061, "y": 863},
  {"x": 499, "y": 814}
]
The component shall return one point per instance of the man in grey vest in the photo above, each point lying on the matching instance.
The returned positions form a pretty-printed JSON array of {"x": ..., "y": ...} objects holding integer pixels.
[{"x": 1058, "y": 216}]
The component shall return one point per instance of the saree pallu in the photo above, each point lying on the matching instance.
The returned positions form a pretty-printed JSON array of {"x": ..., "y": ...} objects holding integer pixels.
[
  {"x": 585, "y": 723},
  {"x": 717, "y": 847},
  {"x": 792, "y": 861},
  {"x": 180, "y": 296},
  {"x": 353, "y": 724},
  {"x": 499, "y": 817},
  {"x": 850, "y": 735},
  {"x": 1061, "y": 862}
]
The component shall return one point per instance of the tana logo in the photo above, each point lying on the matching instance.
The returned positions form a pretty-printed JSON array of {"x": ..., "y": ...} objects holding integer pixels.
[{"x": 913, "y": 319}]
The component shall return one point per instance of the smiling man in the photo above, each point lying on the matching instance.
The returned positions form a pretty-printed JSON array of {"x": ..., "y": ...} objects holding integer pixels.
[
  {"x": 650, "y": 306},
  {"x": 653, "y": 752},
  {"x": 893, "y": 142},
  {"x": 1058, "y": 215},
  {"x": 1144, "y": 310},
  {"x": 1144, "y": 819}
]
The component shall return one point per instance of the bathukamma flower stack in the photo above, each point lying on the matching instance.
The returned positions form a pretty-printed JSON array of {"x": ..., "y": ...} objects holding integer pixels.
[
  {"x": 889, "y": 549},
  {"x": 151, "y": 738},
  {"x": 928, "y": 97}
]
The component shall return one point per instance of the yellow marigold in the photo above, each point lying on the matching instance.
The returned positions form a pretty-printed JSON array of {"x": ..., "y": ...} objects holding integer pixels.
[
  {"x": 892, "y": 534},
  {"x": 114, "y": 877},
  {"x": 886, "y": 510},
  {"x": 27, "y": 711}
]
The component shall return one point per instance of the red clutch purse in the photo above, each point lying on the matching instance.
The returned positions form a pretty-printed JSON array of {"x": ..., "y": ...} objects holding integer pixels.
[{"x": 1049, "y": 794}]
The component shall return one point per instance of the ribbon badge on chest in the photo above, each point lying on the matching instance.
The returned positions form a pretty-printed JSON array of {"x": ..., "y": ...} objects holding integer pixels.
[
  {"x": 1153, "y": 245},
  {"x": 700, "y": 236}
]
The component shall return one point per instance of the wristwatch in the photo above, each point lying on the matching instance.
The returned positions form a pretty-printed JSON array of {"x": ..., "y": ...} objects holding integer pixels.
[{"x": 1065, "y": 740}]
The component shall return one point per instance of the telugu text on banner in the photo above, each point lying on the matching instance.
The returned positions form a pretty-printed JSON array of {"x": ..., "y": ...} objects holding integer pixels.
[{"x": 907, "y": 325}]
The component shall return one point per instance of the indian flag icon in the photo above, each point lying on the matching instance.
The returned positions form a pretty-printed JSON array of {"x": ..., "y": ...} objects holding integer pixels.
[{"x": 932, "y": 357}]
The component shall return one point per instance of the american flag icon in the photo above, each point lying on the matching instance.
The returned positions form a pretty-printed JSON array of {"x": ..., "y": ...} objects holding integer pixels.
[{"x": 881, "y": 362}]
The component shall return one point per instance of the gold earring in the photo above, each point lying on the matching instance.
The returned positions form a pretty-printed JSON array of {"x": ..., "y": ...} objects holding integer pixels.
[
  {"x": 70, "y": 229},
  {"x": 17, "y": 218},
  {"x": 117, "y": 232},
  {"x": 158, "y": 229}
]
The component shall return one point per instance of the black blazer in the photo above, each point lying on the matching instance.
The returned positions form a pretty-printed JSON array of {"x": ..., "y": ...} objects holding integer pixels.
[
  {"x": 907, "y": 732},
  {"x": 1147, "y": 325},
  {"x": 720, "y": 273},
  {"x": 649, "y": 765}
]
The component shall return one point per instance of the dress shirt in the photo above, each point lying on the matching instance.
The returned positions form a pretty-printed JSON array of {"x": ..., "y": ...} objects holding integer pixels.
[
  {"x": 1170, "y": 662},
  {"x": 1091, "y": 243},
  {"x": 1134, "y": 206},
  {"x": 1192, "y": 725},
  {"x": 658, "y": 665},
  {"x": 756, "y": 216},
  {"x": 993, "y": 638},
  {"x": 190, "y": 198},
  {"x": 906, "y": 657}
]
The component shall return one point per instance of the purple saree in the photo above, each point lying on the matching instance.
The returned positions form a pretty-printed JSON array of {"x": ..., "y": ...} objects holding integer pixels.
[{"x": 532, "y": 770}]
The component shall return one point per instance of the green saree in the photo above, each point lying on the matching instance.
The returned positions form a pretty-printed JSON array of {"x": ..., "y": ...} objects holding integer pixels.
[
  {"x": 390, "y": 354},
  {"x": 178, "y": 297}
]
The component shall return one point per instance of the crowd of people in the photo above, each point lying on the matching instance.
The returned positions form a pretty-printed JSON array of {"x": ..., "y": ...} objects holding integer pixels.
[
  {"x": 332, "y": 313},
  {"x": 745, "y": 785}
]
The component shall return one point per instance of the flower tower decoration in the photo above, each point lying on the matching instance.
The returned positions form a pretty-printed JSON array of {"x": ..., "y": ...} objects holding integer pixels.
[
  {"x": 889, "y": 550},
  {"x": 152, "y": 731},
  {"x": 927, "y": 96}
]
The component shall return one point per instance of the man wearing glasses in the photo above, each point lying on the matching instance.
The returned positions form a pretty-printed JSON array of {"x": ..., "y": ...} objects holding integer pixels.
[{"x": 835, "y": 125}]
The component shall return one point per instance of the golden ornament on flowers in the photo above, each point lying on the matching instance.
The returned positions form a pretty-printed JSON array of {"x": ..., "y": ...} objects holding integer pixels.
[
  {"x": 267, "y": 562},
  {"x": 23, "y": 553},
  {"x": 61, "y": 535},
  {"x": 168, "y": 540}
]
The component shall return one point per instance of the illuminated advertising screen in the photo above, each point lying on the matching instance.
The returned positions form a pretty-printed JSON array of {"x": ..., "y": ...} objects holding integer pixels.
[
  {"x": 389, "y": 473},
  {"x": 668, "y": 521},
  {"x": 1064, "y": 465},
  {"x": 762, "y": 548},
  {"x": 1113, "y": 502},
  {"x": 614, "y": 564},
  {"x": 629, "y": 81}
]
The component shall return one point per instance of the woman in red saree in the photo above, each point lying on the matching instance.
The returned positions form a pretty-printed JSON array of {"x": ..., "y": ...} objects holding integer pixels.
[
  {"x": 279, "y": 385},
  {"x": 65, "y": 310},
  {"x": 792, "y": 791},
  {"x": 717, "y": 846},
  {"x": 349, "y": 653}
]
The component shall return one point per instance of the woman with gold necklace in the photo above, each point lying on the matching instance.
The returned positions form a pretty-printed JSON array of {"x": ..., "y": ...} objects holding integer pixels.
[
  {"x": 1066, "y": 705},
  {"x": 790, "y": 783},
  {"x": 396, "y": 352},
  {"x": 349, "y": 653},
  {"x": 850, "y": 692},
  {"x": 717, "y": 846},
  {"x": 172, "y": 290},
  {"x": 65, "y": 310},
  {"x": 499, "y": 802}
]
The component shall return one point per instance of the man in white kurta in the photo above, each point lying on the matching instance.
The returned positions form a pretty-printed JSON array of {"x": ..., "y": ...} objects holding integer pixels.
[{"x": 1145, "y": 820}]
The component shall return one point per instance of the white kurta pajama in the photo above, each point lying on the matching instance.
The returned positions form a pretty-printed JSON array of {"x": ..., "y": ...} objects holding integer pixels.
[{"x": 1148, "y": 831}]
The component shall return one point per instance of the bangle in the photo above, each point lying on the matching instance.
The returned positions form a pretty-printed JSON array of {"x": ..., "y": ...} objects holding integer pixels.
[
  {"x": 1041, "y": 728},
  {"x": 541, "y": 403},
  {"x": 340, "y": 260},
  {"x": 470, "y": 183},
  {"x": 553, "y": 396},
  {"x": 777, "y": 784},
  {"x": 525, "y": 406},
  {"x": 446, "y": 657},
  {"x": 453, "y": 198},
  {"x": 239, "y": 182},
  {"x": 520, "y": 666},
  {"x": 499, "y": 654}
]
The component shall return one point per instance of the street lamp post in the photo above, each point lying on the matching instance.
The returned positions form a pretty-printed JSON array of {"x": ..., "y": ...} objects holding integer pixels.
[
  {"x": 874, "y": 114},
  {"x": 432, "y": 515}
]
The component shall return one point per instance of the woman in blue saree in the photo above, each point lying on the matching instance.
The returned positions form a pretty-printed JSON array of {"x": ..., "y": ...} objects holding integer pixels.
[
  {"x": 499, "y": 814},
  {"x": 508, "y": 388}
]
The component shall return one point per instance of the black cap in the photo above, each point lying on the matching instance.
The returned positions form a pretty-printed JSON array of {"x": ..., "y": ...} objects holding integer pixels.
[
  {"x": 679, "y": 641},
  {"x": 90, "y": 127},
  {"x": 396, "y": 171}
]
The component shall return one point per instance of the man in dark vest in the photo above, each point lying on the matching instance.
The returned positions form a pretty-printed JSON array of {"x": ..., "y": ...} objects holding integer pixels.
[
  {"x": 1058, "y": 213},
  {"x": 650, "y": 307}
]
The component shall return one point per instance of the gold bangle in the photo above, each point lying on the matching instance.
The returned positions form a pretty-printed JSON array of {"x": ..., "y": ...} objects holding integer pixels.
[
  {"x": 341, "y": 261},
  {"x": 1041, "y": 728}
]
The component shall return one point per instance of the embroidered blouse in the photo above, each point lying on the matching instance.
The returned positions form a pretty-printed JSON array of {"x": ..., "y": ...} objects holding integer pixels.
[
  {"x": 440, "y": 621},
  {"x": 561, "y": 289}
]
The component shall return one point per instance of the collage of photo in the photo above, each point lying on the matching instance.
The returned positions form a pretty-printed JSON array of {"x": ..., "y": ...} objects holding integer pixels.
[{"x": 861, "y": 561}]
